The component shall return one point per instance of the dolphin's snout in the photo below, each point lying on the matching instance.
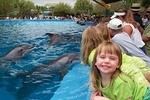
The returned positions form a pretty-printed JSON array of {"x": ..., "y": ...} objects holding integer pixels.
[
  {"x": 51, "y": 34},
  {"x": 28, "y": 46},
  {"x": 32, "y": 46},
  {"x": 74, "y": 57}
]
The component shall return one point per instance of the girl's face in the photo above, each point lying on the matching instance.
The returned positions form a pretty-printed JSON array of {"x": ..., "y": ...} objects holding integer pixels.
[{"x": 107, "y": 63}]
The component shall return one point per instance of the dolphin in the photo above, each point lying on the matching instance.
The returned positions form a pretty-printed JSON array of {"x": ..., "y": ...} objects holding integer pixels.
[
  {"x": 18, "y": 52},
  {"x": 60, "y": 38},
  {"x": 52, "y": 73},
  {"x": 55, "y": 38}
]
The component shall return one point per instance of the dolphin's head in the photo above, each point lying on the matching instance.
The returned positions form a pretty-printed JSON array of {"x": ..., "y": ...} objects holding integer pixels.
[
  {"x": 54, "y": 37},
  {"x": 51, "y": 34},
  {"x": 22, "y": 49},
  {"x": 63, "y": 61},
  {"x": 72, "y": 57},
  {"x": 27, "y": 46},
  {"x": 68, "y": 58},
  {"x": 18, "y": 52}
]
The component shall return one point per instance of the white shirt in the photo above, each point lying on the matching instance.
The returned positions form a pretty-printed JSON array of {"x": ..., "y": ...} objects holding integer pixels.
[
  {"x": 129, "y": 46},
  {"x": 136, "y": 36}
]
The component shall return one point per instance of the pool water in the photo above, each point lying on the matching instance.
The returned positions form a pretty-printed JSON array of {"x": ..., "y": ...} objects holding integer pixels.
[{"x": 72, "y": 86}]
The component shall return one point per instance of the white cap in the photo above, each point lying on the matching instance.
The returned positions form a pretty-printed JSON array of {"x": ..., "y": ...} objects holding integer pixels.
[
  {"x": 115, "y": 24},
  {"x": 117, "y": 14}
]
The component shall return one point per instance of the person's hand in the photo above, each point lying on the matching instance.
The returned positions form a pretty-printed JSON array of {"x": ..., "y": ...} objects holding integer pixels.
[
  {"x": 146, "y": 38},
  {"x": 95, "y": 93},
  {"x": 97, "y": 96},
  {"x": 100, "y": 98}
]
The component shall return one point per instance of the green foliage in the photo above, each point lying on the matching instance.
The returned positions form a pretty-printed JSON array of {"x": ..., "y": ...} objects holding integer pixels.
[
  {"x": 98, "y": 10},
  {"x": 129, "y": 3},
  {"x": 39, "y": 9},
  {"x": 20, "y": 8},
  {"x": 146, "y": 3},
  {"x": 25, "y": 8},
  {"x": 62, "y": 9},
  {"x": 6, "y": 7},
  {"x": 83, "y": 6}
]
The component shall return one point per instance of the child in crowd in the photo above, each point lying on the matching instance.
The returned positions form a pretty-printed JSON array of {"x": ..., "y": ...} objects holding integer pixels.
[
  {"x": 133, "y": 66},
  {"x": 91, "y": 38},
  {"x": 109, "y": 81}
]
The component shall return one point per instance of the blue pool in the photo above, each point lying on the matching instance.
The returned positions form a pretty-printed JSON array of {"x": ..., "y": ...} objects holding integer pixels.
[{"x": 72, "y": 86}]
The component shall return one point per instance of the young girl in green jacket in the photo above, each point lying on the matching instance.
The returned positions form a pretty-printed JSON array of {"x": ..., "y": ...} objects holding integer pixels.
[{"x": 109, "y": 81}]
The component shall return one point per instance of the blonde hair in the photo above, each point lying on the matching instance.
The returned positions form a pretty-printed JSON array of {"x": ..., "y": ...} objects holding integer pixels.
[
  {"x": 106, "y": 47},
  {"x": 91, "y": 38}
]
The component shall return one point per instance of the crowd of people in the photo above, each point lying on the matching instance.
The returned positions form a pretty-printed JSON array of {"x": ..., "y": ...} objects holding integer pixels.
[{"x": 114, "y": 49}]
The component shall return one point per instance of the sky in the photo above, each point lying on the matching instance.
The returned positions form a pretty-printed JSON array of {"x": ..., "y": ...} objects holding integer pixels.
[{"x": 43, "y": 2}]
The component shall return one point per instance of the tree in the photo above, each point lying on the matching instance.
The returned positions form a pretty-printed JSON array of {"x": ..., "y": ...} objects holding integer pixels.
[
  {"x": 62, "y": 9},
  {"x": 24, "y": 8},
  {"x": 39, "y": 9},
  {"x": 83, "y": 6},
  {"x": 6, "y": 6},
  {"x": 97, "y": 9}
]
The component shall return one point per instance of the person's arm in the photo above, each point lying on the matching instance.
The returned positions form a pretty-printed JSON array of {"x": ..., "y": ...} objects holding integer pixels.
[
  {"x": 133, "y": 50},
  {"x": 128, "y": 29},
  {"x": 145, "y": 38},
  {"x": 130, "y": 48}
]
